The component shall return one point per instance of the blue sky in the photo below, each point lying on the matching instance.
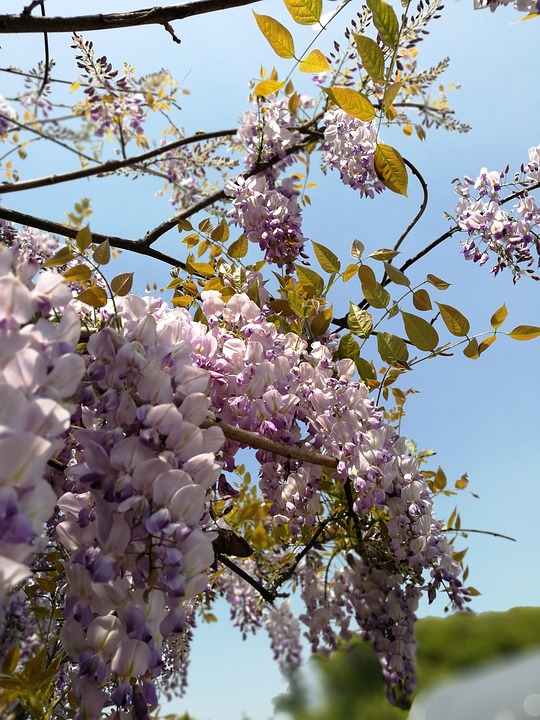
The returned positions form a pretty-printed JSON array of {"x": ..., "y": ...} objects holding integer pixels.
[{"x": 482, "y": 417}]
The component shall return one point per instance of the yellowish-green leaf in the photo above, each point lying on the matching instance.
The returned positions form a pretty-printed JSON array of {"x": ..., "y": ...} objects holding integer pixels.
[
  {"x": 352, "y": 102},
  {"x": 221, "y": 232},
  {"x": 498, "y": 317},
  {"x": 487, "y": 342},
  {"x": 392, "y": 349},
  {"x": 175, "y": 282},
  {"x": 184, "y": 225},
  {"x": 407, "y": 129},
  {"x": 437, "y": 282},
  {"x": 463, "y": 481},
  {"x": 396, "y": 276},
  {"x": 63, "y": 256},
  {"x": 327, "y": 259},
  {"x": 281, "y": 307},
  {"x": 440, "y": 479},
  {"x": 102, "y": 254},
  {"x": 84, "y": 238},
  {"x": 200, "y": 268},
  {"x": 267, "y": 87},
  {"x": 455, "y": 321},
  {"x": 372, "y": 57},
  {"x": 376, "y": 295},
  {"x": 121, "y": 284},
  {"x": 296, "y": 303},
  {"x": 238, "y": 249},
  {"x": 315, "y": 62},
  {"x": 365, "y": 369},
  {"x": 471, "y": 350},
  {"x": 311, "y": 281},
  {"x": 366, "y": 275},
  {"x": 206, "y": 226},
  {"x": 359, "y": 321},
  {"x": 357, "y": 249},
  {"x": 421, "y": 300},
  {"x": 472, "y": 591},
  {"x": 391, "y": 169},
  {"x": 78, "y": 273},
  {"x": 349, "y": 272},
  {"x": 321, "y": 322},
  {"x": 530, "y": 16},
  {"x": 384, "y": 254},
  {"x": 525, "y": 332},
  {"x": 386, "y": 22},
  {"x": 304, "y": 12},
  {"x": 348, "y": 347},
  {"x": 390, "y": 95},
  {"x": 421, "y": 333},
  {"x": 94, "y": 296},
  {"x": 280, "y": 39},
  {"x": 11, "y": 658},
  {"x": 182, "y": 301}
]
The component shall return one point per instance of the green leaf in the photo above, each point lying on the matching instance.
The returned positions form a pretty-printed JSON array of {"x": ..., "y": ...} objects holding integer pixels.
[
  {"x": 396, "y": 276},
  {"x": 471, "y": 349},
  {"x": 357, "y": 249},
  {"x": 267, "y": 87},
  {"x": 348, "y": 347},
  {"x": 455, "y": 321},
  {"x": 390, "y": 95},
  {"x": 384, "y": 254},
  {"x": 498, "y": 317},
  {"x": 421, "y": 333},
  {"x": 391, "y": 169},
  {"x": 221, "y": 232},
  {"x": 84, "y": 238},
  {"x": 352, "y": 102},
  {"x": 525, "y": 332},
  {"x": 315, "y": 62},
  {"x": 94, "y": 296},
  {"x": 327, "y": 259},
  {"x": 359, "y": 321},
  {"x": 238, "y": 249},
  {"x": 63, "y": 256},
  {"x": 321, "y": 321},
  {"x": 296, "y": 303},
  {"x": 365, "y": 369},
  {"x": 102, "y": 254},
  {"x": 78, "y": 273},
  {"x": 376, "y": 295},
  {"x": 372, "y": 57},
  {"x": 421, "y": 300},
  {"x": 304, "y": 12},
  {"x": 437, "y": 282},
  {"x": 386, "y": 22},
  {"x": 280, "y": 39},
  {"x": 121, "y": 284},
  {"x": 311, "y": 281},
  {"x": 391, "y": 348}
]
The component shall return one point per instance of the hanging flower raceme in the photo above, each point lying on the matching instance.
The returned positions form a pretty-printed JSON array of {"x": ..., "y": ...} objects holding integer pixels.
[{"x": 39, "y": 373}]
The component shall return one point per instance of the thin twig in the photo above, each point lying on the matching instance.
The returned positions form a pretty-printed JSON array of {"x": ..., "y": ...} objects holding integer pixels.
[
  {"x": 111, "y": 165},
  {"x": 27, "y": 23},
  {"x": 482, "y": 532}
]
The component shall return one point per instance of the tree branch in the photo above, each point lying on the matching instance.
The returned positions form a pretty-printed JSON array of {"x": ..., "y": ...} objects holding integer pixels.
[
  {"x": 135, "y": 246},
  {"x": 254, "y": 440},
  {"x": 110, "y": 165},
  {"x": 26, "y": 23},
  {"x": 267, "y": 595}
]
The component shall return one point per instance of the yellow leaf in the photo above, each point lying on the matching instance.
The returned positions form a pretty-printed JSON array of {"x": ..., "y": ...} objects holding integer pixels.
[
  {"x": 390, "y": 95},
  {"x": 391, "y": 169},
  {"x": 221, "y": 232},
  {"x": 440, "y": 479},
  {"x": 280, "y": 39},
  {"x": 84, "y": 238},
  {"x": 421, "y": 300},
  {"x": 360, "y": 322},
  {"x": 94, "y": 296},
  {"x": 352, "y": 102},
  {"x": 396, "y": 276},
  {"x": 267, "y": 87},
  {"x": 421, "y": 333},
  {"x": 525, "y": 332},
  {"x": 200, "y": 268},
  {"x": 74, "y": 86},
  {"x": 238, "y": 249},
  {"x": 327, "y": 259},
  {"x": 310, "y": 280},
  {"x": 498, "y": 317},
  {"x": 437, "y": 282},
  {"x": 455, "y": 321},
  {"x": 349, "y": 272},
  {"x": 102, "y": 254},
  {"x": 63, "y": 256},
  {"x": 487, "y": 342},
  {"x": 321, "y": 321},
  {"x": 372, "y": 58},
  {"x": 122, "y": 284},
  {"x": 407, "y": 129},
  {"x": 304, "y": 12},
  {"x": 392, "y": 349},
  {"x": 78, "y": 273},
  {"x": 315, "y": 62},
  {"x": 182, "y": 301}
]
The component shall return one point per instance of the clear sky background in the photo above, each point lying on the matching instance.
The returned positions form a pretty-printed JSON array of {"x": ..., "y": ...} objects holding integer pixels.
[{"x": 482, "y": 417}]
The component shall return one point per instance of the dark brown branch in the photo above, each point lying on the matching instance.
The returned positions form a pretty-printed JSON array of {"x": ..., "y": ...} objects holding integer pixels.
[
  {"x": 135, "y": 246},
  {"x": 26, "y": 23},
  {"x": 423, "y": 204},
  {"x": 267, "y": 595},
  {"x": 110, "y": 165}
]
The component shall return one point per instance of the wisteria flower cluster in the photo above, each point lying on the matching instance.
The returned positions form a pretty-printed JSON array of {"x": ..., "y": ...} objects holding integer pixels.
[
  {"x": 512, "y": 236},
  {"x": 349, "y": 147}
]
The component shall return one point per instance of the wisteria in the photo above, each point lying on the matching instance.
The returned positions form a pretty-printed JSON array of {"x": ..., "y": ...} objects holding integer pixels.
[{"x": 510, "y": 235}]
